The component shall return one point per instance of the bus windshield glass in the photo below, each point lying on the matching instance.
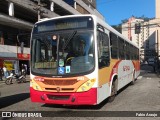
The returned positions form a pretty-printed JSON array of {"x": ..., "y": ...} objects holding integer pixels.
[{"x": 66, "y": 52}]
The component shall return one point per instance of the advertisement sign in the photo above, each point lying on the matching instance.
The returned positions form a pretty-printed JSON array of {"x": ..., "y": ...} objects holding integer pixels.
[
  {"x": 23, "y": 56},
  {"x": 9, "y": 65}
]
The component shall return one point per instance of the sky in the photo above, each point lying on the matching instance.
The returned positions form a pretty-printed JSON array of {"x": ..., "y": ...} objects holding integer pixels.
[{"x": 116, "y": 10}]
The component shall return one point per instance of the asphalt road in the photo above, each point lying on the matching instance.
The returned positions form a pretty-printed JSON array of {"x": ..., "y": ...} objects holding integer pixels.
[{"x": 143, "y": 96}]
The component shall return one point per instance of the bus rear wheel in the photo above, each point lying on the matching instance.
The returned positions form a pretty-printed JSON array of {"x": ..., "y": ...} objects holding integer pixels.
[
  {"x": 113, "y": 92},
  {"x": 133, "y": 79}
]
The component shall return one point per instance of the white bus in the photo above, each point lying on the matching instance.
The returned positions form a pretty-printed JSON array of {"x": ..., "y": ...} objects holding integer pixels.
[{"x": 80, "y": 60}]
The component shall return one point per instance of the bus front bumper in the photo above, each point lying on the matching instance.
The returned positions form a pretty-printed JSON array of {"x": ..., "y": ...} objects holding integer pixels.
[{"x": 76, "y": 98}]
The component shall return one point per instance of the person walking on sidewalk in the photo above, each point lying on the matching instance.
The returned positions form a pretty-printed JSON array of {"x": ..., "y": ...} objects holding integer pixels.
[
  {"x": 5, "y": 71},
  {"x": 23, "y": 71}
]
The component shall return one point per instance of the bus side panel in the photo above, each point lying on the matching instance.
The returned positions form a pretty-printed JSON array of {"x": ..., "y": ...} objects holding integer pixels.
[
  {"x": 137, "y": 67},
  {"x": 104, "y": 80},
  {"x": 103, "y": 92},
  {"x": 125, "y": 73},
  {"x": 123, "y": 68},
  {"x": 105, "y": 74}
]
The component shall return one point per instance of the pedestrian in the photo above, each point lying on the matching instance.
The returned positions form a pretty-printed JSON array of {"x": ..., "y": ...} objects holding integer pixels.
[
  {"x": 25, "y": 68},
  {"x": 23, "y": 72},
  {"x": 5, "y": 71},
  {"x": 1, "y": 74}
]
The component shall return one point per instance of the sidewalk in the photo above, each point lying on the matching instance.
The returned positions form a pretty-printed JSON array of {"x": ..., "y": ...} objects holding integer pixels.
[{"x": 27, "y": 79}]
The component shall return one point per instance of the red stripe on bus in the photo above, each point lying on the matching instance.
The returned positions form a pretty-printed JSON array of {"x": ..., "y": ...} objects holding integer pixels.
[
  {"x": 74, "y": 98},
  {"x": 113, "y": 70}
]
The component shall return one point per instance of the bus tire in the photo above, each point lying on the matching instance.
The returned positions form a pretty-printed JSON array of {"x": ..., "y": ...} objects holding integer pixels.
[
  {"x": 113, "y": 92},
  {"x": 133, "y": 79}
]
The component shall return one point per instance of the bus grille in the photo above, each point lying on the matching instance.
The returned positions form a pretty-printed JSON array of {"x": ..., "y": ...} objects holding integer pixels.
[
  {"x": 60, "y": 82},
  {"x": 62, "y": 89}
]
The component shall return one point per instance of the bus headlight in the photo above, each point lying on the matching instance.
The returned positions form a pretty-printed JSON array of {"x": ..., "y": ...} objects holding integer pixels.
[
  {"x": 86, "y": 86},
  {"x": 35, "y": 86}
]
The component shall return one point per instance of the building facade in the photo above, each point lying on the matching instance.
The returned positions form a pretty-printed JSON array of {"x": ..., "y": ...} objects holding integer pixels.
[
  {"x": 157, "y": 20},
  {"x": 148, "y": 37},
  {"x": 17, "y": 18}
]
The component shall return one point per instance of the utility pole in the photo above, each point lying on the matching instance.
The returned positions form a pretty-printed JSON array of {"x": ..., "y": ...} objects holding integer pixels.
[{"x": 38, "y": 8}]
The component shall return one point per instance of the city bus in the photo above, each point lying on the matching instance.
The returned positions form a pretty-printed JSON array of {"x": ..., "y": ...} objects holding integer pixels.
[{"x": 79, "y": 60}]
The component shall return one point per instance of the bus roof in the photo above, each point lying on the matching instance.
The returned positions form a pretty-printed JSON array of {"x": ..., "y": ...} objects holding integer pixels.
[
  {"x": 66, "y": 16},
  {"x": 108, "y": 27},
  {"x": 98, "y": 20}
]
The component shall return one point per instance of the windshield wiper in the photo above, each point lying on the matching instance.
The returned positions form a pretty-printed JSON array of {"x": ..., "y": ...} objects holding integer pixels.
[{"x": 69, "y": 38}]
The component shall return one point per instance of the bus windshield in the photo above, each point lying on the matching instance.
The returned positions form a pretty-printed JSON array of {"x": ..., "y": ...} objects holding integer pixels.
[{"x": 61, "y": 53}]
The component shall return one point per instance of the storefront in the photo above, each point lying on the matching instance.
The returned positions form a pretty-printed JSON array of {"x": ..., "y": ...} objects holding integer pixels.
[
  {"x": 10, "y": 63},
  {"x": 15, "y": 63},
  {"x": 24, "y": 59},
  {"x": 11, "y": 49},
  {"x": 13, "y": 60}
]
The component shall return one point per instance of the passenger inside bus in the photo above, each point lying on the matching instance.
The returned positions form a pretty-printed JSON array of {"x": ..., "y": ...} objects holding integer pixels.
[
  {"x": 54, "y": 53},
  {"x": 80, "y": 47},
  {"x": 77, "y": 50}
]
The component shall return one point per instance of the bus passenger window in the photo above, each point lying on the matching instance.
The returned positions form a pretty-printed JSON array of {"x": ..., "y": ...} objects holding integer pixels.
[
  {"x": 114, "y": 45},
  {"x": 121, "y": 48},
  {"x": 103, "y": 50}
]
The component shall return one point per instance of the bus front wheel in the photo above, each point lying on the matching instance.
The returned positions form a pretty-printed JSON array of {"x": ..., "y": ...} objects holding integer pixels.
[{"x": 113, "y": 92}]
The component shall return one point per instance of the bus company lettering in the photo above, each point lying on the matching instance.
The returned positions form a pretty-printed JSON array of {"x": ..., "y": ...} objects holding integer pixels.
[
  {"x": 23, "y": 114},
  {"x": 126, "y": 68}
]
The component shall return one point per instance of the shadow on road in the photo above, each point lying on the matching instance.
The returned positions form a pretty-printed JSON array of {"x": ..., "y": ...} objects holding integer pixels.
[
  {"x": 85, "y": 107},
  {"x": 10, "y": 100}
]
